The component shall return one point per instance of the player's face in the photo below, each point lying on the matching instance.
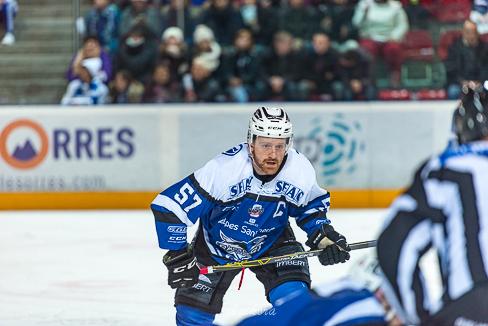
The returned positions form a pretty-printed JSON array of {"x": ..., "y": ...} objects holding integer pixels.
[{"x": 268, "y": 154}]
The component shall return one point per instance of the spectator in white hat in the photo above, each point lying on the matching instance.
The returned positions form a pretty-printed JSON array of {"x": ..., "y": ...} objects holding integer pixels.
[
  {"x": 173, "y": 50},
  {"x": 206, "y": 48}
]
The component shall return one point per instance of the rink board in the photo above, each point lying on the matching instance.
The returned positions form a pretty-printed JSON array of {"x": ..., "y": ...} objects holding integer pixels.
[{"x": 121, "y": 157}]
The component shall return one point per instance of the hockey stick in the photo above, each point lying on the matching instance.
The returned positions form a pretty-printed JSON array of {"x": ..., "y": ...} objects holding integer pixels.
[{"x": 269, "y": 260}]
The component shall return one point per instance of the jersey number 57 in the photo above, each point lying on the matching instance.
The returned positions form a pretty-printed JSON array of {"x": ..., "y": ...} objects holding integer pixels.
[{"x": 184, "y": 194}]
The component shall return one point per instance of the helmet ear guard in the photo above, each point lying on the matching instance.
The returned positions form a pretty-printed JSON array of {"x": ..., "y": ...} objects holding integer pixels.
[{"x": 272, "y": 123}]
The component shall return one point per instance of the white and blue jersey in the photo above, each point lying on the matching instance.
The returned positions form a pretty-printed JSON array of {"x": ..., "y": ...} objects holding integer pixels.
[
  {"x": 344, "y": 303},
  {"x": 241, "y": 217}
]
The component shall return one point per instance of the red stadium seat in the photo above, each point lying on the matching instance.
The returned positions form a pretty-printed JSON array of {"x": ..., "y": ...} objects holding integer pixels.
[
  {"x": 418, "y": 45},
  {"x": 394, "y": 95},
  {"x": 445, "y": 41}
]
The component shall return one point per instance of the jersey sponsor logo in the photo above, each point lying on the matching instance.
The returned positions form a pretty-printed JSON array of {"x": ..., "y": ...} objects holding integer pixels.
[
  {"x": 177, "y": 238},
  {"x": 256, "y": 210},
  {"x": 238, "y": 249},
  {"x": 251, "y": 222},
  {"x": 228, "y": 225},
  {"x": 268, "y": 230},
  {"x": 247, "y": 231},
  {"x": 202, "y": 287},
  {"x": 240, "y": 187},
  {"x": 234, "y": 150},
  {"x": 288, "y": 190},
  {"x": 177, "y": 229},
  {"x": 290, "y": 263}
]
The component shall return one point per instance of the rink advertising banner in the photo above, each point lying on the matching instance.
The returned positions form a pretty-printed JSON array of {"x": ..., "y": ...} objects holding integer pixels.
[
  {"x": 72, "y": 151},
  {"x": 57, "y": 157}
]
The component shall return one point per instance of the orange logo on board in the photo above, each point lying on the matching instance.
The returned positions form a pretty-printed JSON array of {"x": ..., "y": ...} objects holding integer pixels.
[{"x": 22, "y": 135}]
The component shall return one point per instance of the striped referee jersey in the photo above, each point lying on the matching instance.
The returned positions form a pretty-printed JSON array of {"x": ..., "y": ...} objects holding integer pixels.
[{"x": 445, "y": 208}]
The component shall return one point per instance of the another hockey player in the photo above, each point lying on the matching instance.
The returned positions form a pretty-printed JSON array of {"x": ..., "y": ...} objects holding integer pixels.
[
  {"x": 243, "y": 198},
  {"x": 445, "y": 208},
  {"x": 356, "y": 299}
]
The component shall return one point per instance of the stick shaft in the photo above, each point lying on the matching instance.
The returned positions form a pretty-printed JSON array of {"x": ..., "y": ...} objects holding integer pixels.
[{"x": 276, "y": 259}]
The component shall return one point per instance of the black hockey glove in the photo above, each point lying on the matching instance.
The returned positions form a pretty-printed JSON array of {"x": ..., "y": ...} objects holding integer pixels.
[
  {"x": 336, "y": 250},
  {"x": 182, "y": 268}
]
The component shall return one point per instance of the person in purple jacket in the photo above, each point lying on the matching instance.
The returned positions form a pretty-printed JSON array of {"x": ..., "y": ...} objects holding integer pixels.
[{"x": 91, "y": 48}]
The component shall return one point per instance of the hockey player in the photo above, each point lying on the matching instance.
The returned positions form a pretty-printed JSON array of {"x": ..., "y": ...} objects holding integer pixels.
[
  {"x": 445, "y": 208},
  {"x": 243, "y": 198},
  {"x": 356, "y": 299}
]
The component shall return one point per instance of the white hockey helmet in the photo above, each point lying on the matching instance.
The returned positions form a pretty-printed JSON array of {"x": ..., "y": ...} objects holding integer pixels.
[
  {"x": 367, "y": 272},
  {"x": 270, "y": 122}
]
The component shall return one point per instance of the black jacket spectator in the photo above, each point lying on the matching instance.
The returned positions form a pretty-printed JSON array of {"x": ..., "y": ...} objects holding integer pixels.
[
  {"x": 138, "y": 53},
  {"x": 223, "y": 20},
  {"x": 321, "y": 68},
  {"x": 242, "y": 70}
]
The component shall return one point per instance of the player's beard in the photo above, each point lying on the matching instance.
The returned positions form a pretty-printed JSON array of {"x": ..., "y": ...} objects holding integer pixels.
[{"x": 267, "y": 166}]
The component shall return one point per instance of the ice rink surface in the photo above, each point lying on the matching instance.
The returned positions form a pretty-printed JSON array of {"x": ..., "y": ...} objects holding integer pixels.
[{"x": 81, "y": 268}]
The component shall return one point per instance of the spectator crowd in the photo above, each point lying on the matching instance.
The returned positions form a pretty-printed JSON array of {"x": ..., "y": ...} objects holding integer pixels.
[{"x": 151, "y": 51}]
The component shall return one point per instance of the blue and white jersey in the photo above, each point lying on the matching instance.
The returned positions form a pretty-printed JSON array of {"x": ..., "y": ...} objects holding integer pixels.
[
  {"x": 241, "y": 216},
  {"x": 343, "y": 303}
]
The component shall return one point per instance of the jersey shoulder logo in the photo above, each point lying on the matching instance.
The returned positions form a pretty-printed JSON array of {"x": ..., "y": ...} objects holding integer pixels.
[{"x": 234, "y": 150}]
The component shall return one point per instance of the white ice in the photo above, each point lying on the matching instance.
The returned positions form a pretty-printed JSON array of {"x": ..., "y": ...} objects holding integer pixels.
[{"x": 79, "y": 268}]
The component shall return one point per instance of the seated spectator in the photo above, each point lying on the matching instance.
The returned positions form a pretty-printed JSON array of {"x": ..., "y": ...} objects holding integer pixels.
[
  {"x": 199, "y": 84},
  {"x": 382, "y": 24},
  {"x": 140, "y": 12},
  {"x": 161, "y": 88},
  {"x": 173, "y": 50},
  {"x": 418, "y": 15},
  {"x": 344, "y": 34},
  {"x": 223, "y": 20},
  {"x": 321, "y": 67},
  {"x": 87, "y": 89},
  {"x": 206, "y": 48},
  {"x": 91, "y": 49},
  {"x": 299, "y": 20},
  {"x": 8, "y": 10},
  {"x": 125, "y": 90},
  {"x": 283, "y": 67},
  {"x": 354, "y": 78},
  {"x": 102, "y": 21},
  {"x": 138, "y": 53},
  {"x": 242, "y": 70},
  {"x": 261, "y": 19},
  {"x": 467, "y": 60},
  {"x": 479, "y": 15},
  {"x": 177, "y": 14}
]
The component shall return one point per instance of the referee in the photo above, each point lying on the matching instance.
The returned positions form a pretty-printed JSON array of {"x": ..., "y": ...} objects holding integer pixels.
[{"x": 445, "y": 208}]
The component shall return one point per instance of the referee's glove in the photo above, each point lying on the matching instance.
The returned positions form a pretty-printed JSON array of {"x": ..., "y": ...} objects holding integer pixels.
[
  {"x": 336, "y": 250},
  {"x": 182, "y": 268}
]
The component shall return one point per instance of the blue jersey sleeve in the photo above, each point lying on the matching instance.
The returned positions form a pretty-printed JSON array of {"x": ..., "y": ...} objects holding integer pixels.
[
  {"x": 311, "y": 215},
  {"x": 176, "y": 208}
]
